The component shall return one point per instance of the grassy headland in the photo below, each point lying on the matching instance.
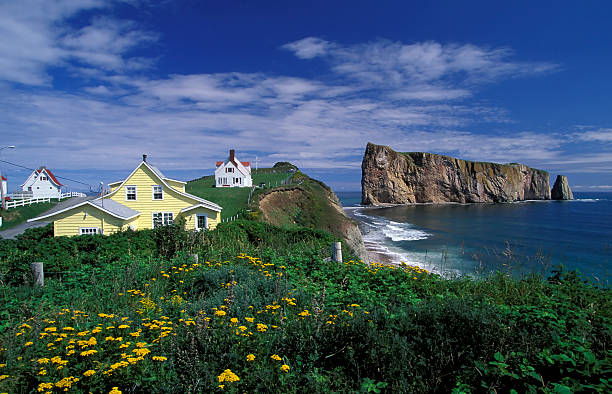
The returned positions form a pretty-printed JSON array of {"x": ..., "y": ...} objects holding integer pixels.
[
  {"x": 264, "y": 311},
  {"x": 15, "y": 216},
  {"x": 235, "y": 199}
]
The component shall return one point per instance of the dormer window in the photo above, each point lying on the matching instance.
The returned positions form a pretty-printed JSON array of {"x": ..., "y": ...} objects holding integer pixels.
[
  {"x": 158, "y": 192},
  {"x": 130, "y": 193},
  {"x": 229, "y": 169},
  {"x": 43, "y": 178}
]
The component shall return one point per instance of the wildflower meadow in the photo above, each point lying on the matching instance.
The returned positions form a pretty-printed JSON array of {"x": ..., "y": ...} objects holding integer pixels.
[{"x": 263, "y": 310}]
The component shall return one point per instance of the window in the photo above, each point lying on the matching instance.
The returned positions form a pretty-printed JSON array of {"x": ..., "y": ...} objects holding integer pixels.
[
  {"x": 201, "y": 222},
  {"x": 29, "y": 188},
  {"x": 162, "y": 219},
  {"x": 229, "y": 169},
  {"x": 88, "y": 230},
  {"x": 130, "y": 193},
  {"x": 43, "y": 178},
  {"x": 158, "y": 192}
]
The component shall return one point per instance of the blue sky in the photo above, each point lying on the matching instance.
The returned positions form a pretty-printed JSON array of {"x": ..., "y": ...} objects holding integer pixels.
[{"x": 87, "y": 86}]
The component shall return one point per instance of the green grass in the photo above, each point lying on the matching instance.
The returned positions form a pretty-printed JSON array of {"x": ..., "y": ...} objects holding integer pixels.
[
  {"x": 232, "y": 199},
  {"x": 15, "y": 216}
]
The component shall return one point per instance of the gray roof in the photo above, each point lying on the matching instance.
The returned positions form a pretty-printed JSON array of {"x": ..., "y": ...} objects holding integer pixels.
[
  {"x": 156, "y": 171},
  {"x": 67, "y": 204},
  {"x": 115, "y": 208}
]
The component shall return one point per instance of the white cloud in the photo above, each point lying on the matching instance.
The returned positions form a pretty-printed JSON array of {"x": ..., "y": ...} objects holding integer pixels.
[
  {"x": 309, "y": 47},
  {"x": 419, "y": 71},
  {"x": 599, "y": 135},
  {"x": 34, "y": 37}
]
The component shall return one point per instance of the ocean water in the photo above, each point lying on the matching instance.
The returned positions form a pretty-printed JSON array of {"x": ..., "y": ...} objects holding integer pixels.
[{"x": 530, "y": 236}]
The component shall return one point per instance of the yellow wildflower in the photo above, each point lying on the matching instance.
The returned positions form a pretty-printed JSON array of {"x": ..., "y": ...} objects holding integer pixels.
[
  {"x": 220, "y": 313},
  {"x": 115, "y": 390},
  {"x": 275, "y": 357},
  {"x": 250, "y": 357},
  {"x": 44, "y": 386},
  {"x": 285, "y": 368},
  {"x": 249, "y": 319},
  {"x": 89, "y": 372},
  {"x": 262, "y": 327},
  {"x": 28, "y": 344},
  {"x": 228, "y": 376},
  {"x": 159, "y": 358},
  {"x": 88, "y": 352}
]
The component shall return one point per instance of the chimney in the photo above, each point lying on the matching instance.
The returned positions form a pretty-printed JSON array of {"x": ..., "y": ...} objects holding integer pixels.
[
  {"x": 144, "y": 158},
  {"x": 232, "y": 155}
]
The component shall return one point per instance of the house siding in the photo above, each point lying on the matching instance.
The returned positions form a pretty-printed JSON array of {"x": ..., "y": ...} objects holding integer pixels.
[
  {"x": 177, "y": 185},
  {"x": 214, "y": 218},
  {"x": 68, "y": 223}
]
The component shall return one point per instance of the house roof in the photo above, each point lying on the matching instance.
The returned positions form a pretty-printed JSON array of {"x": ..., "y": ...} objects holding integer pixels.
[
  {"x": 3, "y": 178},
  {"x": 115, "y": 208},
  {"x": 53, "y": 178},
  {"x": 109, "y": 206},
  {"x": 243, "y": 166},
  {"x": 208, "y": 204},
  {"x": 192, "y": 208}
]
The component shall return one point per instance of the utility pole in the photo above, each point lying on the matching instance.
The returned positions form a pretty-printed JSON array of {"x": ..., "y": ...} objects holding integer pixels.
[
  {"x": 1, "y": 184},
  {"x": 256, "y": 164},
  {"x": 102, "y": 197}
]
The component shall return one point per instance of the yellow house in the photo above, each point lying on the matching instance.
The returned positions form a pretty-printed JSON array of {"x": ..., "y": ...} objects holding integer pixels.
[{"x": 144, "y": 200}]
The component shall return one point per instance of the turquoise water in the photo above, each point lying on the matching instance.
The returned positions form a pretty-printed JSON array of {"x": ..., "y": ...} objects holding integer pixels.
[{"x": 480, "y": 238}]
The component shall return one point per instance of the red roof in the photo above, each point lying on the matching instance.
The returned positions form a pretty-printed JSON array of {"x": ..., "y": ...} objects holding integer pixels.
[
  {"x": 3, "y": 178},
  {"x": 53, "y": 178},
  {"x": 219, "y": 163},
  {"x": 246, "y": 163}
]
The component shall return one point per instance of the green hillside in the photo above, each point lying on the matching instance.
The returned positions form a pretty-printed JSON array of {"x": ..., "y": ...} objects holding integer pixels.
[
  {"x": 235, "y": 199},
  {"x": 15, "y": 216}
]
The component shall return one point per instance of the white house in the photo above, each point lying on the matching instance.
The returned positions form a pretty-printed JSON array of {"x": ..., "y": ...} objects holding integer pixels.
[
  {"x": 233, "y": 173},
  {"x": 42, "y": 183}
]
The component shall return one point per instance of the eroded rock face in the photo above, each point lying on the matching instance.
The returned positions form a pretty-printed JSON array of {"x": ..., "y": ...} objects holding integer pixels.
[
  {"x": 561, "y": 189},
  {"x": 417, "y": 177},
  {"x": 287, "y": 206}
]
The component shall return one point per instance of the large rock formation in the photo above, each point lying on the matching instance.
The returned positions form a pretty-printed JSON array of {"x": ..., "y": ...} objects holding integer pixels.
[
  {"x": 561, "y": 189},
  {"x": 417, "y": 177}
]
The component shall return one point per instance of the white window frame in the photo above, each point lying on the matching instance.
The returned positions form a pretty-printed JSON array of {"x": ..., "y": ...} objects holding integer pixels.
[
  {"x": 89, "y": 230},
  {"x": 135, "y": 192},
  {"x": 164, "y": 221},
  {"x": 153, "y": 193},
  {"x": 199, "y": 215}
]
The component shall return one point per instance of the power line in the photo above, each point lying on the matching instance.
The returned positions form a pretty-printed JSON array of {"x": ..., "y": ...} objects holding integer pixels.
[{"x": 32, "y": 169}]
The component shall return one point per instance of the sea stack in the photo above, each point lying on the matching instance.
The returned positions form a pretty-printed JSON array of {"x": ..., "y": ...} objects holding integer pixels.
[
  {"x": 561, "y": 189},
  {"x": 390, "y": 177}
]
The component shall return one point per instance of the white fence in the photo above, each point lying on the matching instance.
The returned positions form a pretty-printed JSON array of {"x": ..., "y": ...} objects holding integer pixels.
[
  {"x": 24, "y": 202},
  {"x": 72, "y": 194}
]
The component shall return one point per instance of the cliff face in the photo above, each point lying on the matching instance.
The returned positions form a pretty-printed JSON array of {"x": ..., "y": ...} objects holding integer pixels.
[
  {"x": 417, "y": 177},
  {"x": 561, "y": 189},
  {"x": 311, "y": 204}
]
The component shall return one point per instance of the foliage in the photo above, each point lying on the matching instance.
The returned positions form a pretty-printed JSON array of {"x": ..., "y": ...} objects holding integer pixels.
[{"x": 287, "y": 320}]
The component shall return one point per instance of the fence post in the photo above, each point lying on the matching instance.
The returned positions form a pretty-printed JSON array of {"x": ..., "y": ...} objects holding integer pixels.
[
  {"x": 38, "y": 273},
  {"x": 194, "y": 256},
  {"x": 337, "y": 252}
]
